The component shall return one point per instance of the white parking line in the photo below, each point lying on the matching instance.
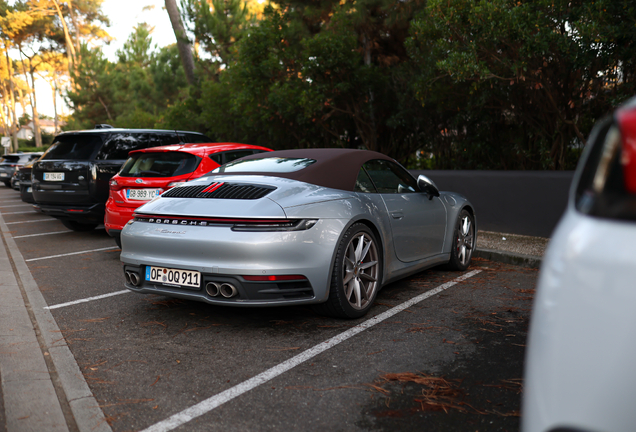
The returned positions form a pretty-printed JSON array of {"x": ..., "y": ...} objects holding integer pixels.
[
  {"x": 41, "y": 234},
  {"x": 25, "y": 212},
  {"x": 71, "y": 253},
  {"x": 16, "y": 205},
  {"x": 35, "y": 220},
  {"x": 231, "y": 393},
  {"x": 71, "y": 303}
]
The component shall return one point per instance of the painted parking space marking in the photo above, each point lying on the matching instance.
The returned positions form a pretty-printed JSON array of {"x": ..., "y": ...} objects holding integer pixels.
[
  {"x": 29, "y": 221},
  {"x": 88, "y": 299},
  {"x": 42, "y": 234},
  {"x": 16, "y": 205},
  {"x": 24, "y": 212},
  {"x": 216, "y": 401},
  {"x": 72, "y": 253}
]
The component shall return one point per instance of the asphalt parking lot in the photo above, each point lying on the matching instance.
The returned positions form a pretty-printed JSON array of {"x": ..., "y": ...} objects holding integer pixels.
[{"x": 450, "y": 360}]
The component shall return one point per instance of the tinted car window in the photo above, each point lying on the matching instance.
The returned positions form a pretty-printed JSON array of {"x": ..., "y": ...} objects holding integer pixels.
[
  {"x": 364, "y": 183},
  {"x": 164, "y": 164},
  {"x": 601, "y": 189},
  {"x": 195, "y": 138},
  {"x": 73, "y": 147},
  {"x": 389, "y": 177},
  {"x": 119, "y": 145},
  {"x": 228, "y": 156},
  {"x": 274, "y": 164}
]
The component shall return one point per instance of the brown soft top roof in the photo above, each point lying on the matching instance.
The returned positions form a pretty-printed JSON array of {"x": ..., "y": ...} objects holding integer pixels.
[{"x": 334, "y": 168}]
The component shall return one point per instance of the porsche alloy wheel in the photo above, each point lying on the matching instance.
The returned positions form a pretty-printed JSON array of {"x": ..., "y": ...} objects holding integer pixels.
[
  {"x": 357, "y": 274},
  {"x": 463, "y": 242},
  {"x": 360, "y": 277}
]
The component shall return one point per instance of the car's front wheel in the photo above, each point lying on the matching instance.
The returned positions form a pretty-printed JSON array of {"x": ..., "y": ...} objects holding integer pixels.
[
  {"x": 77, "y": 226},
  {"x": 463, "y": 242},
  {"x": 356, "y": 276}
]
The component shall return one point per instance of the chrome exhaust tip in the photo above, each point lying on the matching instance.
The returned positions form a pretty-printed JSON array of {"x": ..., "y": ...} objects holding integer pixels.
[
  {"x": 228, "y": 290},
  {"x": 127, "y": 276},
  {"x": 213, "y": 289},
  {"x": 134, "y": 278}
]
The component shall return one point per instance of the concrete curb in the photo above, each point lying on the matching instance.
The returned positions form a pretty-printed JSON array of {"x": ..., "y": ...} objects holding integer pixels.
[
  {"x": 521, "y": 260},
  {"x": 73, "y": 396}
]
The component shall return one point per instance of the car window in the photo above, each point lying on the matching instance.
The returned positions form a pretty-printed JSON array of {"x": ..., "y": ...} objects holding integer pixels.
[
  {"x": 73, "y": 147},
  {"x": 228, "y": 156},
  {"x": 389, "y": 177},
  {"x": 195, "y": 138},
  {"x": 160, "y": 164},
  {"x": 601, "y": 186},
  {"x": 364, "y": 183},
  {"x": 118, "y": 145}
]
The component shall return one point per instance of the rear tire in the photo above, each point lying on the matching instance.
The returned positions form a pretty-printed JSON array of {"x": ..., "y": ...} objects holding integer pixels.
[
  {"x": 77, "y": 226},
  {"x": 463, "y": 242},
  {"x": 118, "y": 241},
  {"x": 356, "y": 276}
]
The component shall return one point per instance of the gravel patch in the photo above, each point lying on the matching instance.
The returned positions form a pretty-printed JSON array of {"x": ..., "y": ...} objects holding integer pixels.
[{"x": 520, "y": 244}]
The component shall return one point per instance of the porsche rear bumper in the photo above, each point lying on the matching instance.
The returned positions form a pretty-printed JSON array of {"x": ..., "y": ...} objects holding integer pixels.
[{"x": 223, "y": 255}]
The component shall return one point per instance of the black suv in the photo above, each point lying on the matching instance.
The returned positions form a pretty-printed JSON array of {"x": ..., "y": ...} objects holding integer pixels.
[
  {"x": 71, "y": 180},
  {"x": 11, "y": 162}
]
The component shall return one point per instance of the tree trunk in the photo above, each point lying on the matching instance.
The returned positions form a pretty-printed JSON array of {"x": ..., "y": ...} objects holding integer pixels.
[
  {"x": 32, "y": 99},
  {"x": 54, "y": 88},
  {"x": 67, "y": 36},
  {"x": 36, "y": 117},
  {"x": 5, "y": 114},
  {"x": 183, "y": 45},
  {"x": 14, "y": 132}
]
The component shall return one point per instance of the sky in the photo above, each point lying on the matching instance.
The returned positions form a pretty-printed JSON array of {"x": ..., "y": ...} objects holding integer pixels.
[{"x": 123, "y": 15}]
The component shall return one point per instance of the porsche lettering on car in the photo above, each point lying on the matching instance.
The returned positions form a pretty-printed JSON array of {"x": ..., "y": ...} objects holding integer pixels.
[{"x": 326, "y": 227}]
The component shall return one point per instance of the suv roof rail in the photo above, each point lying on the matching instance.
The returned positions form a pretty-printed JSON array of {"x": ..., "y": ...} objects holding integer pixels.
[{"x": 103, "y": 126}]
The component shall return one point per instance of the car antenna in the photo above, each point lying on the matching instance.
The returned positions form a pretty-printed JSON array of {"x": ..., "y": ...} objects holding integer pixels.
[{"x": 179, "y": 136}]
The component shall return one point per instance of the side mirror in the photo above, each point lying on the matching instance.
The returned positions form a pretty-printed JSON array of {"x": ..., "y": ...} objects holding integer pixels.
[{"x": 427, "y": 186}]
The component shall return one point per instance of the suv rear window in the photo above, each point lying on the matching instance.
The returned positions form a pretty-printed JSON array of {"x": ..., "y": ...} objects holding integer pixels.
[
  {"x": 160, "y": 164},
  {"x": 73, "y": 147}
]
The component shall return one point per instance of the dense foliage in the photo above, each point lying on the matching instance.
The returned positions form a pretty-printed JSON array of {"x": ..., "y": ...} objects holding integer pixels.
[{"x": 451, "y": 84}]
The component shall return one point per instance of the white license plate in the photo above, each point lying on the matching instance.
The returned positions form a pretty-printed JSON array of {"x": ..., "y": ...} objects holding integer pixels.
[
  {"x": 173, "y": 276},
  {"x": 3, "y": 174},
  {"x": 142, "y": 194},
  {"x": 51, "y": 176}
]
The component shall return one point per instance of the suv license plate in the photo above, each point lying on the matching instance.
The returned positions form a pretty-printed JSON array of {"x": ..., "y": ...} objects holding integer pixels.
[
  {"x": 173, "y": 276},
  {"x": 142, "y": 194},
  {"x": 53, "y": 176}
]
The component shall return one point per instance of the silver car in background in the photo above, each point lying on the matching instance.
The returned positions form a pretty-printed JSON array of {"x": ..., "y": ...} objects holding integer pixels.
[
  {"x": 327, "y": 227},
  {"x": 579, "y": 373}
]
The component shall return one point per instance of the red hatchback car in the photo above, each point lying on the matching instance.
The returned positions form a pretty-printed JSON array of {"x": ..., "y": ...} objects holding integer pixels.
[{"x": 150, "y": 172}]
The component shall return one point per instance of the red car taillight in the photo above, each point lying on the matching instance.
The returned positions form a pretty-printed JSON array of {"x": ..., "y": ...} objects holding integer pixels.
[
  {"x": 114, "y": 186},
  {"x": 627, "y": 123}
]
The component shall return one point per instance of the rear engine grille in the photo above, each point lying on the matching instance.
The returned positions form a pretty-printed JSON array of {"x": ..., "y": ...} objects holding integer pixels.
[{"x": 220, "y": 191}]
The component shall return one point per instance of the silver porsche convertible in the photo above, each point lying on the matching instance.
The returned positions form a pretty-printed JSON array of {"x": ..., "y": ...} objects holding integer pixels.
[{"x": 327, "y": 227}]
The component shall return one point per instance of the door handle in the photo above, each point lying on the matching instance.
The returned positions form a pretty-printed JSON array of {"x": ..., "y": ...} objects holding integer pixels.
[{"x": 397, "y": 215}]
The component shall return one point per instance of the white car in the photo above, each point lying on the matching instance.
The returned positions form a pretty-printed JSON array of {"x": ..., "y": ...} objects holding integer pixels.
[{"x": 581, "y": 357}]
